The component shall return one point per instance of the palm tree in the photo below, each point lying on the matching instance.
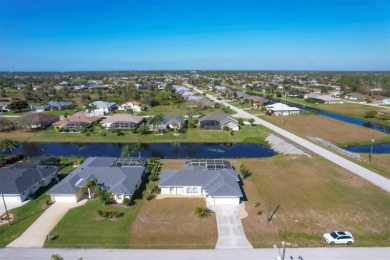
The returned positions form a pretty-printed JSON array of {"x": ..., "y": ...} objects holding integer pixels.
[
  {"x": 126, "y": 151},
  {"x": 7, "y": 145},
  {"x": 90, "y": 108},
  {"x": 176, "y": 126},
  {"x": 201, "y": 212},
  {"x": 91, "y": 184},
  {"x": 156, "y": 121},
  {"x": 138, "y": 147}
]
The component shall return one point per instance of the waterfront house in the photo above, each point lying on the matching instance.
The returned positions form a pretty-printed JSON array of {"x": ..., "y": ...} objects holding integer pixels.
[
  {"x": 217, "y": 121},
  {"x": 119, "y": 176},
  {"x": 214, "y": 180},
  {"x": 122, "y": 121},
  {"x": 24, "y": 179}
]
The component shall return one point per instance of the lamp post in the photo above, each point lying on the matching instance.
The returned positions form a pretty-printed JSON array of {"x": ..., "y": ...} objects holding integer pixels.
[{"x": 372, "y": 144}]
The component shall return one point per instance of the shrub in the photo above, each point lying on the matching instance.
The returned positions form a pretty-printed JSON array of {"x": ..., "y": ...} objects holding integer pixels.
[
  {"x": 244, "y": 172},
  {"x": 259, "y": 212},
  {"x": 202, "y": 212},
  {"x": 126, "y": 201},
  {"x": 225, "y": 128},
  {"x": 109, "y": 214},
  {"x": 56, "y": 257}
]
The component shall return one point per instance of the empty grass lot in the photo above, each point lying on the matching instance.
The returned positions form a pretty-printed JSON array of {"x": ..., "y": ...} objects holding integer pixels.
[
  {"x": 170, "y": 223},
  {"x": 332, "y": 130},
  {"x": 315, "y": 196}
]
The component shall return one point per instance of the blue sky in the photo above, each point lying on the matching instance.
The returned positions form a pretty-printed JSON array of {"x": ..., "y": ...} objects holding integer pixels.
[{"x": 71, "y": 35}]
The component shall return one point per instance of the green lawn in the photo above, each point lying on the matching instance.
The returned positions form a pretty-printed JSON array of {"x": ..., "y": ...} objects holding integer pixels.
[
  {"x": 248, "y": 134},
  {"x": 180, "y": 110},
  {"x": 24, "y": 217},
  {"x": 62, "y": 112},
  {"x": 79, "y": 228}
]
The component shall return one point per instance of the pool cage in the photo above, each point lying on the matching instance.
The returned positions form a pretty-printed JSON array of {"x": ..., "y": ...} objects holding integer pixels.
[
  {"x": 129, "y": 162},
  {"x": 210, "y": 164}
]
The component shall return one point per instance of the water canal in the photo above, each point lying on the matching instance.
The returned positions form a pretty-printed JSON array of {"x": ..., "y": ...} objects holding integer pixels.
[{"x": 161, "y": 150}]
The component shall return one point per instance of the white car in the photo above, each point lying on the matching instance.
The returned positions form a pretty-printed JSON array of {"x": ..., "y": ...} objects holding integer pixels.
[{"x": 339, "y": 237}]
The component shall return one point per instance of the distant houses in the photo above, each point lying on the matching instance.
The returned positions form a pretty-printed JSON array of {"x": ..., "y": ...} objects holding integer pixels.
[
  {"x": 324, "y": 99},
  {"x": 53, "y": 105},
  {"x": 133, "y": 105},
  {"x": 103, "y": 107}
]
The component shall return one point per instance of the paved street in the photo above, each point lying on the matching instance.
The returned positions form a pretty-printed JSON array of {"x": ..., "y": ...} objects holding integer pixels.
[
  {"x": 36, "y": 234},
  {"x": 230, "y": 231},
  {"x": 370, "y": 176},
  {"x": 326, "y": 253}
]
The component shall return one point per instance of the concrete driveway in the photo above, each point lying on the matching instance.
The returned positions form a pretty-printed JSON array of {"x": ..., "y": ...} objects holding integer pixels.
[
  {"x": 36, "y": 234},
  {"x": 230, "y": 231}
]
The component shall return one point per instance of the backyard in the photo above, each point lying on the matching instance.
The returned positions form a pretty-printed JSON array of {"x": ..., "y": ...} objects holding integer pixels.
[{"x": 248, "y": 134}]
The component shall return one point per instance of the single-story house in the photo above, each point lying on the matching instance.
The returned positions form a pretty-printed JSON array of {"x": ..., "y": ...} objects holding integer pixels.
[
  {"x": 282, "y": 109},
  {"x": 60, "y": 105},
  {"x": 120, "y": 121},
  {"x": 325, "y": 99},
  {"x": 385, "y": 101},
  {"x": 355, "y": 96},
  {"x": 21, "y": 181},
  {"x": 103, "y": 107},
  {"x": 259, "y": 102},
  {"x": 169, "y": 121},
  {"x": 36, "y": 120},
  {"x": 378, "y": 99},
  {"x": 119, "y": 176},
  {"x": 215, "y": 180},
  {"x": 41, "y": 108},
  {"x": 74, "y": 122},
  {"x": 218, "y": 121},
  {"x": 134, "y": 105}
]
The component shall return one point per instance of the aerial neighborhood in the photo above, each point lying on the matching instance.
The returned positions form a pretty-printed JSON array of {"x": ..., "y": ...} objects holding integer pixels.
[{"x": 165, "y": 159}]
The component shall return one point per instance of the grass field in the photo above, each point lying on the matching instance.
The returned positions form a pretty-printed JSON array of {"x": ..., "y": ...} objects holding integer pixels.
[
  {"x": 24, "y": 217},
  {"x": 335, "y": 131},
  {"x": 180, "y": 110},
  {"x": 348, "y": 109},
  {"x": 247, "y": 134},
  {"x": 315, "y": 197}
]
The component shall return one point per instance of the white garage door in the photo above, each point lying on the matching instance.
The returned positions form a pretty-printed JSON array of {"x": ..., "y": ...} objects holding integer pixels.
[
  {"x": 10, "y": 199},
  {"x": 227, "y": 201},
  {"x": 70, "y": 198}
]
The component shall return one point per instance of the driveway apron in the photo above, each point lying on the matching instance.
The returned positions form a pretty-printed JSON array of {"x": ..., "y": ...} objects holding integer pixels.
[
  {"x": 230, "y": 231},
  {"x": 36, "y": 234}
]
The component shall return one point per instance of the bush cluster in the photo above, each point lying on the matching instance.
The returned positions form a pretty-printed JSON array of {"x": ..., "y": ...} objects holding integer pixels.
[{"x": 107, "y": 214}]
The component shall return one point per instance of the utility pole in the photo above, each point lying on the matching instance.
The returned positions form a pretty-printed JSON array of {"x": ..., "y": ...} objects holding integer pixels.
[
  {"x": 6, "y": 211},
  {"x": 280, "y": 256},
  {"x": 372, "y": 144}
]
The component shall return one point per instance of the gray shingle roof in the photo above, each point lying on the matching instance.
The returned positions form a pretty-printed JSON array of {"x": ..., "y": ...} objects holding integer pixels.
[
  {"x": 218, "y": 183},
  {"x": 221, "y": 117},
  {"x": 118, "y": 180},
  {"x": 17, "y": 180}
]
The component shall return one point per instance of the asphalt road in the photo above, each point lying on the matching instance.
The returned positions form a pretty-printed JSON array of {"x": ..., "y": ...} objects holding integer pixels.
[
  {"x": 370, "y": 176},
  {"x": 326, "y": 253}
]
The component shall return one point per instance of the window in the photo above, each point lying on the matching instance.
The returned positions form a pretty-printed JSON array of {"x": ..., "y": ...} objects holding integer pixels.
[
  {"x": 119, "y": 197},
  {"x": 191, "y": 190}
]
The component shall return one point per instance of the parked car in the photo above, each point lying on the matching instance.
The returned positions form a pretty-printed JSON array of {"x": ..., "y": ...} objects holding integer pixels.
[{"x": 339, "y": 237}]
